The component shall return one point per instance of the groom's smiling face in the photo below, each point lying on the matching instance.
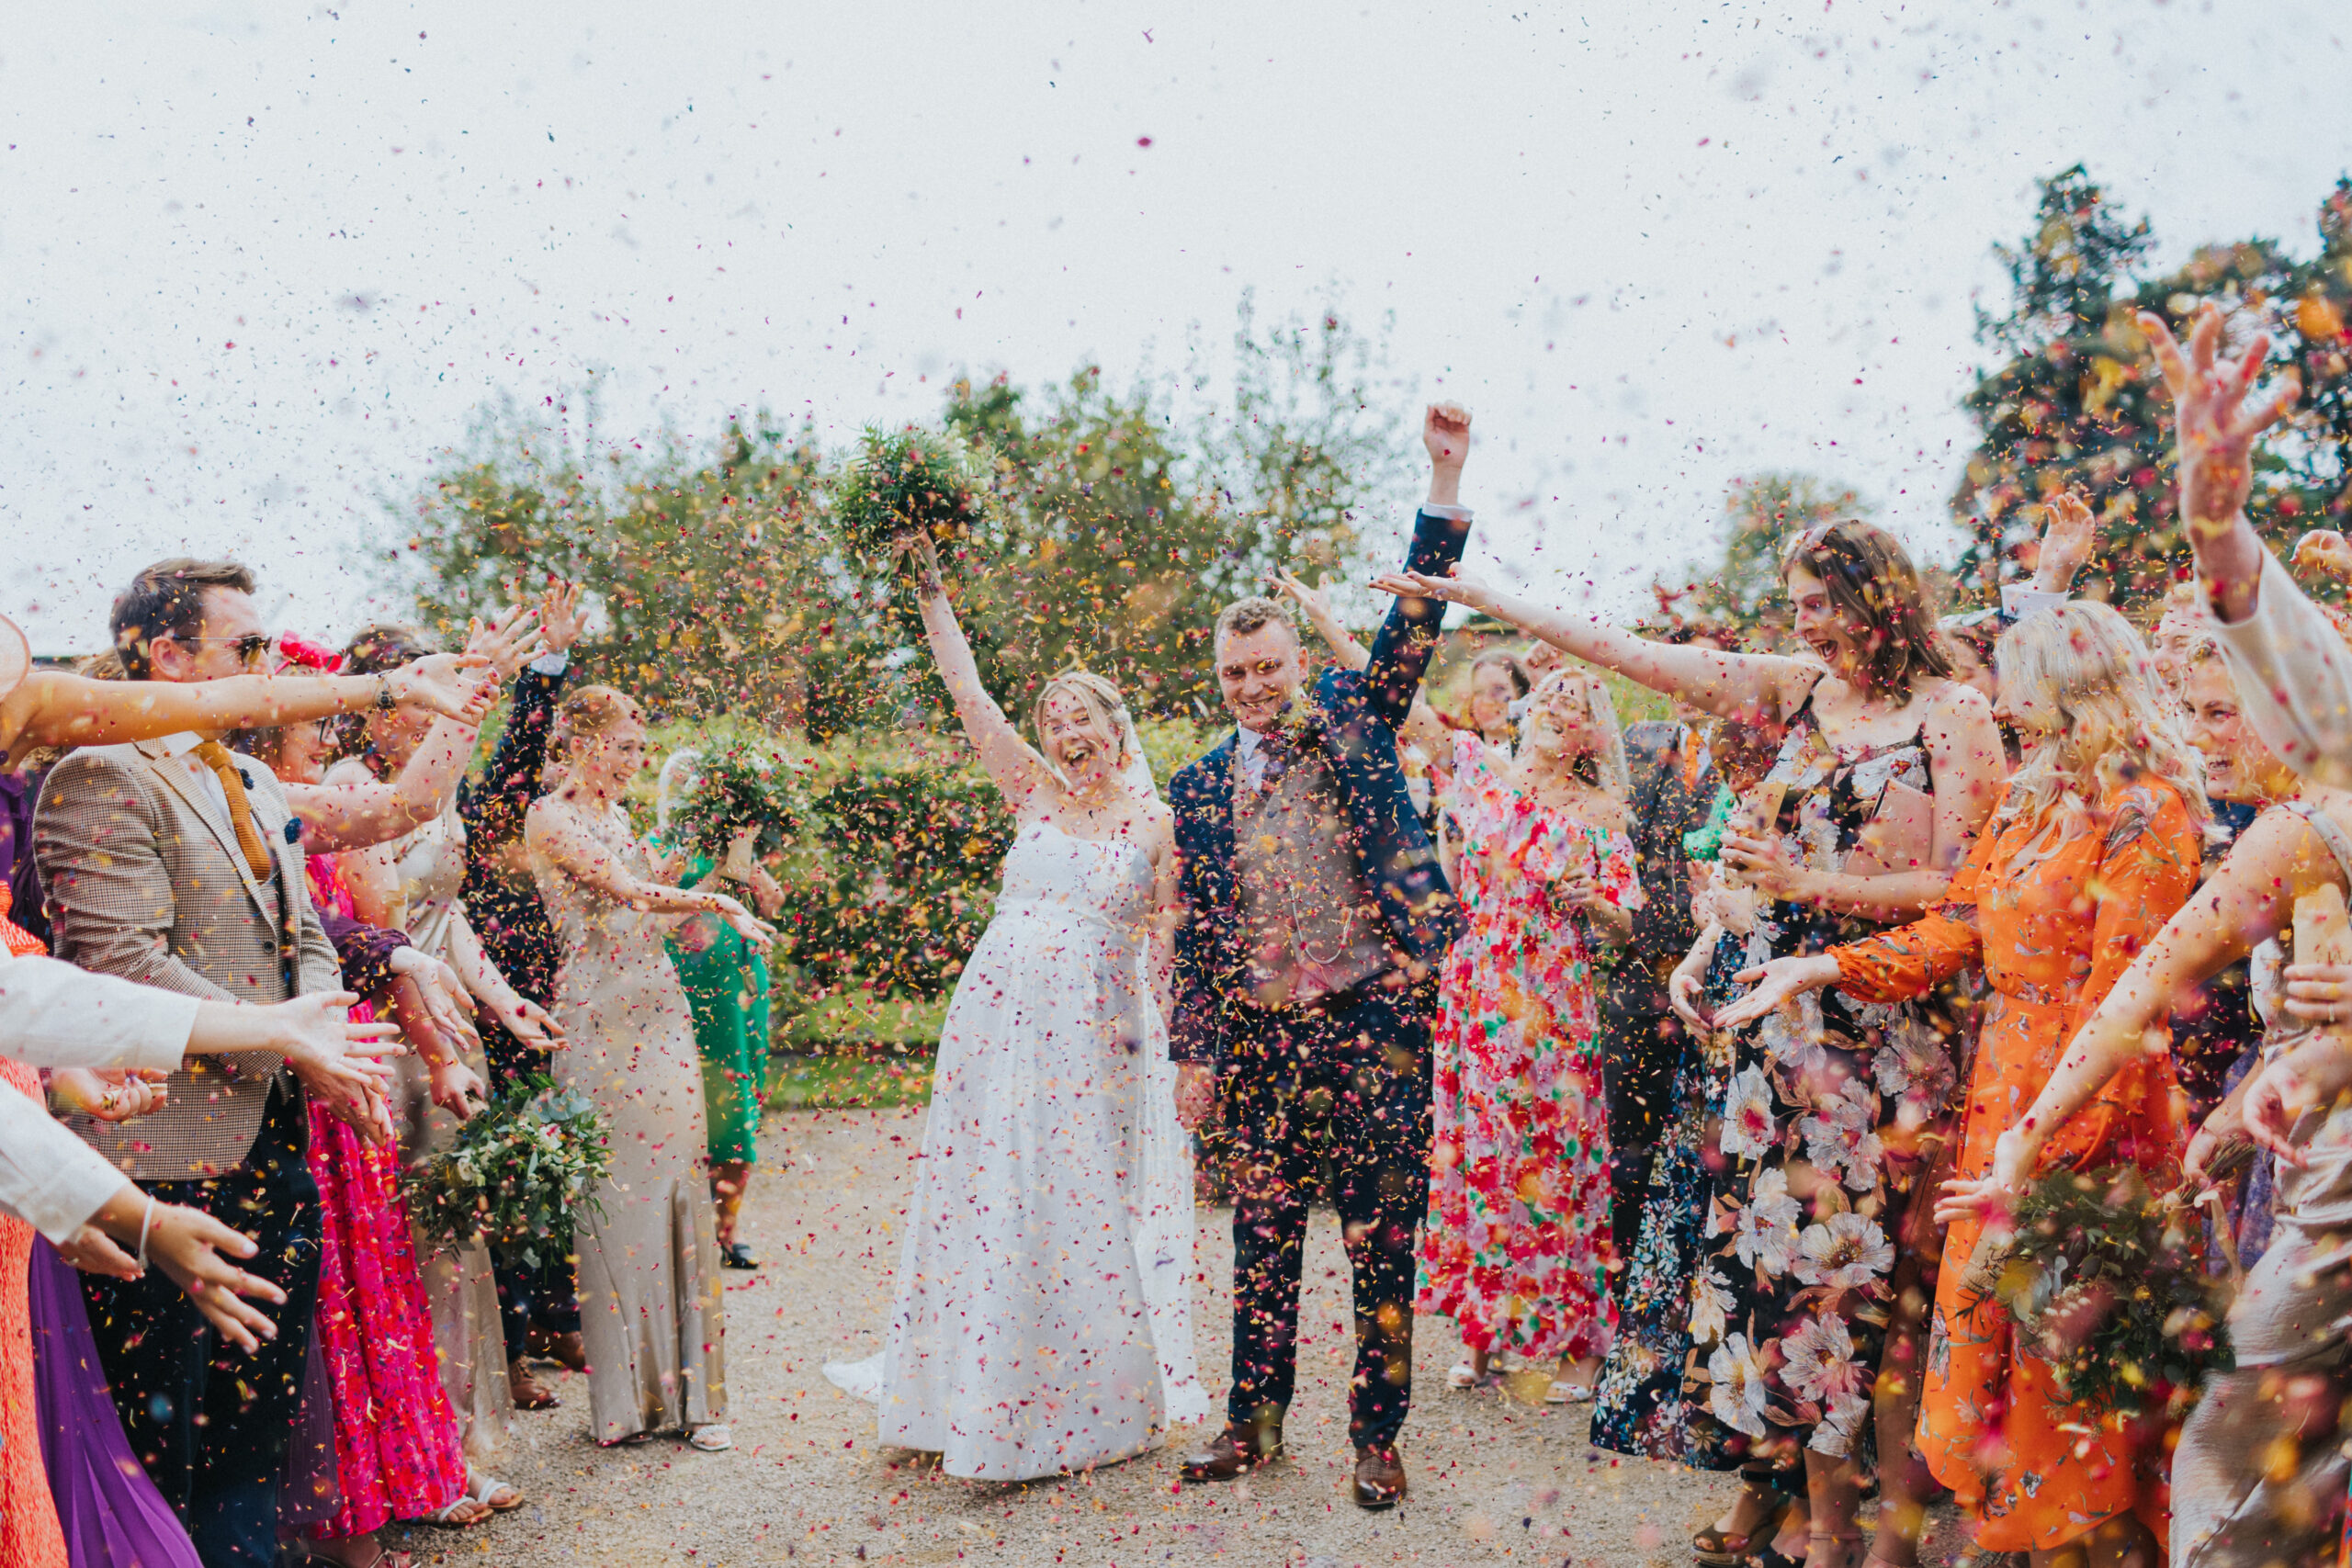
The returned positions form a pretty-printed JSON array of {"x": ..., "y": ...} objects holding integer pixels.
[{"x": 1260, "y": 673}]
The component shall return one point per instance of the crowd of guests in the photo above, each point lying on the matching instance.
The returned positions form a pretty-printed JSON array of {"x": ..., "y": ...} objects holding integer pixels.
[
  {"x": 1765, "y": 1017},
  {"x": 277, "y": 927}
]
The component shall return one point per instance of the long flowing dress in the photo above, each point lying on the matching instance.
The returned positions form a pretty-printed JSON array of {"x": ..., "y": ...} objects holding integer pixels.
[
  {"x": 468, "y": 1341},
  {"x": 651, "y": 1316},
  {"x": 397, "y": 1449},
  {"x": 29, "y": 1533},
  {"x": 2054, "y": 907},
  {"x": 726, "y": 980},
  {"x": 1042, "y": 1322},
  {"x": 1835, "y": 1088},
  {"x": 1517, "y": 1246}
]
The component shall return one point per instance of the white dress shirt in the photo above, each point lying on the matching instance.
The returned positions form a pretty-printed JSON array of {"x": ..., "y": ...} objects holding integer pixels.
[
  {"x": 2294, "y": 678},
  {"x": 48, "y": 1178}
]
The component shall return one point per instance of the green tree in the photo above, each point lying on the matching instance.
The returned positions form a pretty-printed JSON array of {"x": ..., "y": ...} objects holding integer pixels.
[
  {"x": 2078, "y": 401},
  {"x": 1742, "y": 590}
]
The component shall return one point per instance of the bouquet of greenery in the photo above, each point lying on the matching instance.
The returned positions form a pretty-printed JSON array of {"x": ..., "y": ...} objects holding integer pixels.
[
  {"x": 2106, "y": 1283},
  {"x": 740, "y": 786},
  {"x": 905, "y": 481},
  {"x": 518, "y": 1169}
]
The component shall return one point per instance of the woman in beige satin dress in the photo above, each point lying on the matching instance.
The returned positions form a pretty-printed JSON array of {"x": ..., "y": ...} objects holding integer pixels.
[{"x": 646, "y": 1247}]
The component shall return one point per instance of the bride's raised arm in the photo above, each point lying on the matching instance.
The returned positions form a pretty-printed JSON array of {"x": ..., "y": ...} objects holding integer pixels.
[
  {"x": 1012, "y": 762},
  {"x": 1738, "y": 686}
]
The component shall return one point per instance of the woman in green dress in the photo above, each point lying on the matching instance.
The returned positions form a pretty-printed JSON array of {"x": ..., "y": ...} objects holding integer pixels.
[{"x": 726, "y": 980}]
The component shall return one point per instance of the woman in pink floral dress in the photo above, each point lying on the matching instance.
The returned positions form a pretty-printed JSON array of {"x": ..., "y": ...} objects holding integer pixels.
[{"x": 1517, "y": 1247}]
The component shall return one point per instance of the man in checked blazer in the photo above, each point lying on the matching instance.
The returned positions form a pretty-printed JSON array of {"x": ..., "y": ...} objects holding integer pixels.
[{"x": 174, "y": 864}]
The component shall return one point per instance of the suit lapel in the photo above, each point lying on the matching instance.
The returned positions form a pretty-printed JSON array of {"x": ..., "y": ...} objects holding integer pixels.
[{"x": 191, "y": 779}]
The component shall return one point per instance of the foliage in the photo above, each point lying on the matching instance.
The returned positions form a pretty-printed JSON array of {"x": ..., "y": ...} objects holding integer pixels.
[
  {"x": 905, "y": 481},
  {"x": 1743, "y": 592},
  {"x": 843, "y": 1081},
  {"x": 740, "y": 786},
  {"x": 2078, "y": 400},
  {"x": 1115, "y": 531},
  {"x": 515, "y": 1174},
  {"x": 2106, "y": 1283}
]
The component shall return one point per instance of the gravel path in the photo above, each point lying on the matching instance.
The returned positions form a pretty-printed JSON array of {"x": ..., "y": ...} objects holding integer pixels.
[{"x": 1493, "y": 1479}]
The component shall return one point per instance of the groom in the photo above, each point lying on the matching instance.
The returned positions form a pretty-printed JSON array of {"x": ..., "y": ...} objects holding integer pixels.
[{"x": 1316, "y": 917}]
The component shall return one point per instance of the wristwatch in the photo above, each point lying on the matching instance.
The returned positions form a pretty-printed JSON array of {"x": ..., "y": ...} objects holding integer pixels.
[{"x": 384, "y": 700}]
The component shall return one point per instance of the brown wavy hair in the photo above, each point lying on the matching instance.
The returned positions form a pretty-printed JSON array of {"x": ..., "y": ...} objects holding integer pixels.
[{"x": 1869, "y": 575}]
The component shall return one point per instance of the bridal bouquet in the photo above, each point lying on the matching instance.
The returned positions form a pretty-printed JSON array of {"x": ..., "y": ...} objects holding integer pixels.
[
  {"x": 908, "y": 480},
  {"x": 514, "y": 1175},
  {"x": 741, "y": 786},
  {"x": 2107, "y": 1285}
]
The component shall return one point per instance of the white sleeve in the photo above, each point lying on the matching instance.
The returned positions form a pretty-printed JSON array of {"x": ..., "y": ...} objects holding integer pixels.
[
  {"x": 2021, "y": 600},
  {"x": 2294, "y": 676},
  {"x": 53, "y": 1015},
  {"x": 50, "y": 1178}
]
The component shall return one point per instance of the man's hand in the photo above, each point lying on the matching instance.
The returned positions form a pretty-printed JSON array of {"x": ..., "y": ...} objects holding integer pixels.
[
  {"x": 2068, "y": 540},
  {"x": 562, "y": 619},
  {"x": 1445, "y": 431},
  {"x": 1196, "y": 1095},
  {"x": 509, "y": 641},
  {"x": 316, "y": 1028},
  {"x": 2214, "y": 430}
]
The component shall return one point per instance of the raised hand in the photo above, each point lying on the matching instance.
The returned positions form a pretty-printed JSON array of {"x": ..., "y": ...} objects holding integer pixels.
[
  {"x": 562, "y": 619},
  {"x": 1313, "y": 603},
  {"x": 2068, "y": 537},
  {"x": 1446, "y": 432},
  {"x": 1451, "y": 588},
  {"x": 2325, "y": 551},
  {"x": 440, "y": 685},
  {"x": 508, "y": 642},
  {"x": 1775, "y": 983},
  {"x": 2214, "y": 429}
]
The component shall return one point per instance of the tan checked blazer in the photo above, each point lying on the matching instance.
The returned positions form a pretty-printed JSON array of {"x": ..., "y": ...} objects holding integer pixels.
[{"x": 144, "y": 880}]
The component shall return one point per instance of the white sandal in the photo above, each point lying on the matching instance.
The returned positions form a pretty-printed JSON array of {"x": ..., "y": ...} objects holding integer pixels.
[
  {"x": 1568, "y": 1394},
  {"x": 712, "y": 1439},
  {"x": 484, "y": 1487},
  {"x": 1464, "y": 1376}
]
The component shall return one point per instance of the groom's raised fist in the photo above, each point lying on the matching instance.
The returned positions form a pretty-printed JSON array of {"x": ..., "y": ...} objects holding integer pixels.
[{"x": 1445, "y": 431}]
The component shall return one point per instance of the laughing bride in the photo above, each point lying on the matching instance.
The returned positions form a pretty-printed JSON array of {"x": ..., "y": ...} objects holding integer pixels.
[{"x": 1042, "y": 1322}]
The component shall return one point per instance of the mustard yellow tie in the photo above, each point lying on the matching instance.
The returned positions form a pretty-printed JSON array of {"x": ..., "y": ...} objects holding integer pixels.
[{"x": 217, "y": 757}]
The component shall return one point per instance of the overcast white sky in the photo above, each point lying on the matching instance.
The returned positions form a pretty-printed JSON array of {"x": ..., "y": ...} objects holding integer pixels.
[{"x": 257, "y": 264}]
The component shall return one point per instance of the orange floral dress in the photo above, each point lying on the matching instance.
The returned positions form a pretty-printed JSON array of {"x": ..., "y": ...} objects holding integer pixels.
[{"x": 2053, "y": 913}]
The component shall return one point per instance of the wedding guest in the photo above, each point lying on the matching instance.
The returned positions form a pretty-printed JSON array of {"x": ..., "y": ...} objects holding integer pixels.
[
  {"x": 168, "y": 862},
  {"x": 1886, "y": 774},
  {"x": 725, "y": 981},
  {"x": 2095, "y": 844},
  {"x": 413, "y": 884},
  {"x": 651, "y": 1310},
  {"x": 1517, "y": 1246}
]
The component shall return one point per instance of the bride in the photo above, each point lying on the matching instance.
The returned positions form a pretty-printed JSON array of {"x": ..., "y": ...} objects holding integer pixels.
[{"x": 1041, "y": 1322}]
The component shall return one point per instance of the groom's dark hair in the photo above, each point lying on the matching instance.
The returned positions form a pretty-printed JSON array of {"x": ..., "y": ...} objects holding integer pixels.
[{"x": 1245, "y": 616}]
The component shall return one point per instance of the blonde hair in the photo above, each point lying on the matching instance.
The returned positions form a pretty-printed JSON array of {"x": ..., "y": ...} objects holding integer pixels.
[
  {"x": 2115, "y": 724},
  {"x": 1102, "y": 704},
  {"x": 588, "y": 712},
  {"x": 1609, "y": 772}
]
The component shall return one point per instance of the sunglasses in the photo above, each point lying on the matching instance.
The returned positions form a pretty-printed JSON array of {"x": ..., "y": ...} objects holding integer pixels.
[{"x": 252, "y": 648}]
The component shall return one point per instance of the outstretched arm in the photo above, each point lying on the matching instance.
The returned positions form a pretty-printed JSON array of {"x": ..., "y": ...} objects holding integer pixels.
[
  {"x": 1422, "y": 726},
  {"x": 1013, "y": 766},
  {"x": 1401, "y": 650},
  {"x": 50, "y": 708},
  {"x": 554, "y": 831},
  {"x": 1747, "y": 688}
]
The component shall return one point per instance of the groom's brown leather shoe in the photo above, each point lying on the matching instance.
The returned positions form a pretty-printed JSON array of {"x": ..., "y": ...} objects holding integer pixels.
[
  {"x": 1380, "y": 1477},
  {"x": 1232, "y": 1452}
]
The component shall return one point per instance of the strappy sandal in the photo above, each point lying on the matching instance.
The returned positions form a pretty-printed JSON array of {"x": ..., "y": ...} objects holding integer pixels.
[
  {"x": 484, "y": 1488},
  {"x": 714, "y": 1438},
  {"x": 1854, "y": 1539},
  {"x": 1722, "y": 1549},
  {"x": 635, "y": 1439},
  {"x": 1464, "y": 1376},
  {"x": 458, "y": 1515},
  {"x": 1568, "y": 1394}
]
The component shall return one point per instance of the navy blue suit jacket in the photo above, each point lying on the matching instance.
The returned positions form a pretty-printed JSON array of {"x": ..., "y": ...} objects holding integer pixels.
[{"x": 1353, "y": 717}]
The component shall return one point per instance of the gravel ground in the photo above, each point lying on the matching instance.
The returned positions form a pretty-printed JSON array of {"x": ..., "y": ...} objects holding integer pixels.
[{"x": 1493, "y": 1479}]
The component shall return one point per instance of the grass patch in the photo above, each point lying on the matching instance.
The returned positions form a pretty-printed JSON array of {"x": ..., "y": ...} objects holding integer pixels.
[
  {"x": 860, "y": 1020},
  {"x": 842, "y": 1080}
]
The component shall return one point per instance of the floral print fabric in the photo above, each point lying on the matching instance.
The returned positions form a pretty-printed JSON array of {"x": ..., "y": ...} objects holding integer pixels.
[
  {"x": 1828, "y": 1103},
  {"x": 1517, "y": 1247}
]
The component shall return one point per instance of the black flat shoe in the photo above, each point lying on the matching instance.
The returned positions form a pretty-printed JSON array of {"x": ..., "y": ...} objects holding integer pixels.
[{"x": 737, "y": 1255}]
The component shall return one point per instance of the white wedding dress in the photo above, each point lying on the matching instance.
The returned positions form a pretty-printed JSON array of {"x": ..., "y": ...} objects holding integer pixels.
[{"x": 1042, "y": 1315}]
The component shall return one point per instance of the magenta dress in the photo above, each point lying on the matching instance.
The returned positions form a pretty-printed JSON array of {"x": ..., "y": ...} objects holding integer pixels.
[{"x": 396, "y": 1442}]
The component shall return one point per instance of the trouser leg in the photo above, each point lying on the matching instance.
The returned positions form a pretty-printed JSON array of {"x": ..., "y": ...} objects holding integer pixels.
[
  {"x": 1269, "y": 1175},
  {"x": 1381, "y": 1149}
]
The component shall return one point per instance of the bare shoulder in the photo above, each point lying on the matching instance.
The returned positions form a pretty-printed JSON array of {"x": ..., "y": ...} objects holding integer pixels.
[{"x": 1956, "y": 705}]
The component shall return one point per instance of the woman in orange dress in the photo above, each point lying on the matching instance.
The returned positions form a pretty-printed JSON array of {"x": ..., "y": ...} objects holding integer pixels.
[{"x": 2095, "y": 845}]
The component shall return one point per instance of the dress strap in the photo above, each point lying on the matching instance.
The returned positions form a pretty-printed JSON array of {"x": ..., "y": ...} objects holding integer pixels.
[{"x": 2338, "y": 842}]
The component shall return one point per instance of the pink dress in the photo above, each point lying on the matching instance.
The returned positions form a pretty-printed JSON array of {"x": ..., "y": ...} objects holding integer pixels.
[
  {"x": 396, "y": 1442},
  {"x": 1517, "y": 1247}
]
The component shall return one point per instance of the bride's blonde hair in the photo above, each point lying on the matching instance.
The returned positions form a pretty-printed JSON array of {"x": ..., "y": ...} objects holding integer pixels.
[
  {"x": 1102, "y": 705},
  {"x": 2115, "y": 724}
]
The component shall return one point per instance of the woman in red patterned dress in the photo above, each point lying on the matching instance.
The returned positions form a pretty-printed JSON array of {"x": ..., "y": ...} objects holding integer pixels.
[{"x": 1517, "y": 1247}]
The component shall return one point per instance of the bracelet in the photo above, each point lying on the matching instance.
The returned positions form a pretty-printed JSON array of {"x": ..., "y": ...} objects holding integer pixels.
[
  {"x": 384, "y": 700},
  {"x": 146, "y": 1223}
]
